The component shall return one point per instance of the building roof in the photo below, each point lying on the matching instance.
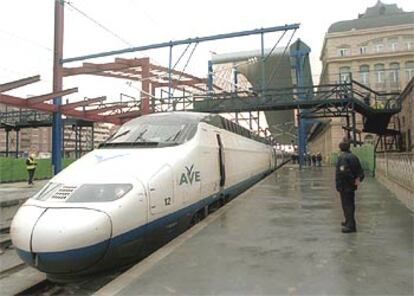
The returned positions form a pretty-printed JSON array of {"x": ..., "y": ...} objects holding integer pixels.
[{"x": 379, "y": 15}]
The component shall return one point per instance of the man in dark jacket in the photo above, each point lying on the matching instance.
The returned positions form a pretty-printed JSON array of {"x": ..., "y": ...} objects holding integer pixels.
[
  {"x": 349, "y": 175},
  {"x": 319, "y": 159},
  {"x": 313, "y": 159}
]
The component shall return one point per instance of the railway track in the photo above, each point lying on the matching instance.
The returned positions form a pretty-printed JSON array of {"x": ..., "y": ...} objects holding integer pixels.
[{"x": 84, "y": 287}]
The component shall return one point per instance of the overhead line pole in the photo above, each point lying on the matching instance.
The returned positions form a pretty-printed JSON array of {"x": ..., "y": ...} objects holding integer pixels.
[
  {"x": 183, "y": 41},
  {"x": 57, "y": 86}
]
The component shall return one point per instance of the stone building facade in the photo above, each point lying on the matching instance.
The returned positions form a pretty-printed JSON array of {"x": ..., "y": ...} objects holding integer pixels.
[
  {"x": 377, "y": 50},
  {"x": 406, "y": 117}
]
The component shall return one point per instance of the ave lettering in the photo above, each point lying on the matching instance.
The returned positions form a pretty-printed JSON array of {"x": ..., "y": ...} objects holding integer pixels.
[{"x": 190, "y": 176}]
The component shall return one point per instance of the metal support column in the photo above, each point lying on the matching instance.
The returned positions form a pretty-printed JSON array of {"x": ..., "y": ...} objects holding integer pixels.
[
  {"x": 63, "y": 139},
  {"x": 80, "y": 141},
  {"x": 145, "y": 86},
  {"x": 76, "y": 141},
  {"x": 169, "y": 72},
  {"x": 17, "y": 142},
  {"x": 354, "y": 139},
  {"x": 57, "y": 86},
  {"x": 93, "y": 136},
  {"x": 235, "y": 80},
  {"x": 348, "y": 125},
  {"x": 153, "y": 97},
  {"x": 210, "y": 77},
  {"x": 235, "y": 88},
  {"x": 299, "y": 51},
  {"x": 184, "y": 99},
  {"x": 263, "y": 70},
  {"x": 7, "y": 142}
]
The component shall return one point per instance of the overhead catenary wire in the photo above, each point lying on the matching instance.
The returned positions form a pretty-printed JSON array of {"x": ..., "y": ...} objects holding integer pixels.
[
  {"x": 162, "y": 75},
  {"x": 100, "y": 25},
  {"x": 27, "y": 40},
  {"x": 274, "y": 70},
  {"x": 186, "y": 64},
  {"x": 274, "y": 46},
  {"x": 181, "y": 56},
  {"x": 105, "y": 28}
]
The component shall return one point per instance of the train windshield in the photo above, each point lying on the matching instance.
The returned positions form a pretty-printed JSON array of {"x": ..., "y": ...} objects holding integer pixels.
[{"x": 158, "y": 131}]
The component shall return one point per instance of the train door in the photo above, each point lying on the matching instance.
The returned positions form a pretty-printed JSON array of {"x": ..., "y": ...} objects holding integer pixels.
[
  {"x": 161, "y": 191},
  {"x": 161, "y": 203},
  {"x": 222, "y": 168}
]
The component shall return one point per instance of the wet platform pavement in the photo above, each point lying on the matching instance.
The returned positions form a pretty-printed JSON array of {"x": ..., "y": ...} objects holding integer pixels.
[
  {"x": 12, "y": 195},
  {"x": 283, "y": 236}
]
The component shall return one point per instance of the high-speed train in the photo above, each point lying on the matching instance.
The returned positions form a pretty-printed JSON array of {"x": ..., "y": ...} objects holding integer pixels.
[{"x": 147, "y": 183}]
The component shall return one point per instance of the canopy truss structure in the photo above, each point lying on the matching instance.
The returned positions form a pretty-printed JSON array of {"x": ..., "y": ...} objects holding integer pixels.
[{"x": 151, "y": 76}]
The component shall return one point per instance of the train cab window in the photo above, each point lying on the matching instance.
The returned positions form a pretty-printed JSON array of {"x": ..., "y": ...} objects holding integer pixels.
[{"x": 154, "y": 131}]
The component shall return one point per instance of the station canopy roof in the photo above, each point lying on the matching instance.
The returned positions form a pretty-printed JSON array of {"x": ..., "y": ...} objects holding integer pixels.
[{"x": 141, "y": 69}]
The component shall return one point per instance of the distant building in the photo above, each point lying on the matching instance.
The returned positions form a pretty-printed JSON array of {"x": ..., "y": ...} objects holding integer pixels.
[
  {"x": 78, "y": 144},
  {"x": 39, "y": 139},
  {"x": 376, "y": 49}
]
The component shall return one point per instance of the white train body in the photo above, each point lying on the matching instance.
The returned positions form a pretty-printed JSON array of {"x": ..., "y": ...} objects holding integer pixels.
[{"x": 120, "y": 202}]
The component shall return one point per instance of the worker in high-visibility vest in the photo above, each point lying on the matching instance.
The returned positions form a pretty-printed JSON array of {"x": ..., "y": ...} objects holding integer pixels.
[
  {"x": 378, "y": 105},
  {"x": 31, "y": 167}
]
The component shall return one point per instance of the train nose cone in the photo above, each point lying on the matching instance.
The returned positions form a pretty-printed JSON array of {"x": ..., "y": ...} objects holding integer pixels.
[
  {"x": 66, "y": 240},
  {"x": 21, "y": 231}
]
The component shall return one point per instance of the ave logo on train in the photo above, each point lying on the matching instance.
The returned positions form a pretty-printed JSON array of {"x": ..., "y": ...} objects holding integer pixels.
[{"x": 190, "y": 176}]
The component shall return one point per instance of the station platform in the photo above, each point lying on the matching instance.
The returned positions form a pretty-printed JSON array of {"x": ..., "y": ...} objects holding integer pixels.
[
  {"x": 12, "y": 196},
  {"x": 283, "y": 236}
]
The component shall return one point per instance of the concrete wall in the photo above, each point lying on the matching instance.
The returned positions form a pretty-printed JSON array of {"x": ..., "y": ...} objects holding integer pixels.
[
  {"x": 396, "y": 172},
  {"x": 328, "y": 140}
]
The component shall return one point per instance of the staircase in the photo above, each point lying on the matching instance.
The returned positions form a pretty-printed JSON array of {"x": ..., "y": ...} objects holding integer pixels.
[{"x": 378, "y": 110}]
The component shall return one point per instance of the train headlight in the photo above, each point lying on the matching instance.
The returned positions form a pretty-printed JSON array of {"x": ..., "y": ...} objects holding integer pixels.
[{"x": 99, "y": 192}]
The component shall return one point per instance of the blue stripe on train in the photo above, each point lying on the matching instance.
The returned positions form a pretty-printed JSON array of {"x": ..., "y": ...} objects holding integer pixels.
[{"x": 79, "y": 254}]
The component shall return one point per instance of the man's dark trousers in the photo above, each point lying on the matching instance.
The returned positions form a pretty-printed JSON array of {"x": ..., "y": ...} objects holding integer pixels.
[
  {"x": 31, "y": 175},
  {"x": 348, "y": 205}
]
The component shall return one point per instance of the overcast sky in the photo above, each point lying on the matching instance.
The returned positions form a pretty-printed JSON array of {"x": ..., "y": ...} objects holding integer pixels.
[{"x": 26, "y": 32}]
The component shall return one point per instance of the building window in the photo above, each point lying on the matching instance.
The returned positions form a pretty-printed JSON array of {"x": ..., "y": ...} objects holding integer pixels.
[
  {"x": 379, "y": 73},
  {"x": 364, "y": 74},
  {"x": 395, "y": 73},
  {"x": 344, "y": 74},
  {"x": 363, "y": 49},
  {"x": 409, "y": 44},
  {"x": 409, "y": 70},
  {"x": 344, "y": 51},
  {"x": 378, "y": 47},
  {"x": 393, "y": 43}
]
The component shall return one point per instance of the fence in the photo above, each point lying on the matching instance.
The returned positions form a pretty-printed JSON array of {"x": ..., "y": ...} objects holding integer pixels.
[
  {"x": 12, "y": 169},
  {"x": 396, "y": 172},
  {"x": 397, "y": 166}
]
